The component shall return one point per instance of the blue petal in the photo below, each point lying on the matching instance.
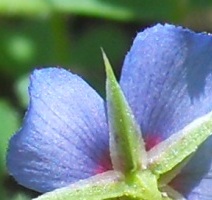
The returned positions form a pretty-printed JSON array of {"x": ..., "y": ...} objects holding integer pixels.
[
  {"x": 64, "y": 136},
  {"x": 195, "y": 180},
  {"x": 167, "y": 80}
]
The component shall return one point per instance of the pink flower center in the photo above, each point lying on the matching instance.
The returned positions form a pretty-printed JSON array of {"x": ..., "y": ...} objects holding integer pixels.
[
  {"x": 104, "y": 164},
  {"x": 151, "y": 141},
  {"x": 105, "y": 161}
]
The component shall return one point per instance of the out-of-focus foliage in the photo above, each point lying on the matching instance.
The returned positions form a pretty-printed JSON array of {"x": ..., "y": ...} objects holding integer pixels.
[
  {"x": 70, "y": 33},
  {"x": 9, "y": 124},
  {"x": 119, "y": 9},
  {"x": 21, "y": 88}
]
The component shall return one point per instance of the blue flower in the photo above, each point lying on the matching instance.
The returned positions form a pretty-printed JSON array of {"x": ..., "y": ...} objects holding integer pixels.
[{"x": 167, "y": 80}]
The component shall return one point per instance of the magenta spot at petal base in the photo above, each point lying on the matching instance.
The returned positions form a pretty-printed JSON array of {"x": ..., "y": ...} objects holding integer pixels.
[
  {"x": 151, "y": 141},
  {"x": 104, "y": 165}
]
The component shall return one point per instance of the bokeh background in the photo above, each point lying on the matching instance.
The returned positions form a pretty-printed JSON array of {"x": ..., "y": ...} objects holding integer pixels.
[{"x": 69, "y": 33}]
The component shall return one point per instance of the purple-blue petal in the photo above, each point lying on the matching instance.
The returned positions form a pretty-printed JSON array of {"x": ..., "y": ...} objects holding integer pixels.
[
  {"x": 167, "y": 80},
  {"x": 64, "y": 136},
  {"x": 195, "y": 180}
]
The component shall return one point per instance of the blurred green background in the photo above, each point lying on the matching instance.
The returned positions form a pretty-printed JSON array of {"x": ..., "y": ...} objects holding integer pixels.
[{"x": 69, "y": 33}]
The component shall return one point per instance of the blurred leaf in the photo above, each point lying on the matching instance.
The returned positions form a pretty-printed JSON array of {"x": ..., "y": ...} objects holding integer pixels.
[
  {"x": 20, "y": 47},
  {"x": 124, "y": 9},
  {"x": 25, "y": 7},
  {"x": 20, "y": 196},
  {"x": 120, "y": 9},
  {"x": 201, "y": 3},
  {"x": 29, "y": 44},
  {"x": 86, "y": 49},
  {"x": 9, "y": 124},
  {"x": 21, "y": 89},
  {"x": 14, "y": 195},
  {"x": 86, "y": 55},
  {"x": 2, "y": 192}
]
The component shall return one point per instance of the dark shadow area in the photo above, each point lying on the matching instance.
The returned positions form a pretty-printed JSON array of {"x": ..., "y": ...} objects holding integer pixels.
[{"x": 10, "y": 184}]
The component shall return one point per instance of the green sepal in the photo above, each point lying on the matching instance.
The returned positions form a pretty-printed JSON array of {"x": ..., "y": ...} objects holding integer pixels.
[
  {"x": 170, "y": 175},
  {"x": 144, "y": 184},
  {"x": 103, "y": 186},
  {"x": 171, "y": 152},
  {"x": 126, "y": 144}
]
